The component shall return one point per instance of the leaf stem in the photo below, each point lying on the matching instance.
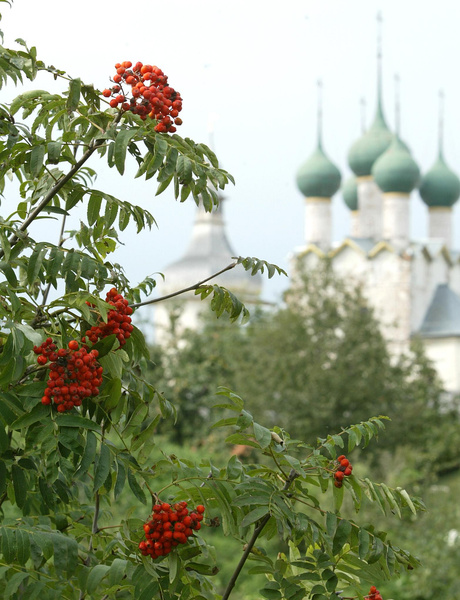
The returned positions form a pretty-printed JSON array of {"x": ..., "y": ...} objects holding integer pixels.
[{"x": 187, "y": 289}]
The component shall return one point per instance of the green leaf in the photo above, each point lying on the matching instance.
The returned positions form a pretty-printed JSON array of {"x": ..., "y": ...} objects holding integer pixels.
[
  {"x": 77, "y": 421},
  {"x": 54, "y": 152},
  {"x": 254, "y": 515},
  {"x": 225, "y": 422},
  {"x": 95, "y": 577},
  {"x": 35, "y": 263},
  {"x": 8, "y": 544},
  {"x": 136, "y": 488},
  {"x": 234, "y": 468},
  {"x": 47, "y": 493},
  {"x": 37, "y": 157},
  {"x": 13, "y": 584},
  {"x": 2, "y": 477},
  {"x": 74, "y": 94},
  {"x": 89, "y": 455},
  {"x": 103, "y": 466},
  {"x": 22, "y": 546},
  {"x": 407, "y": 498},
  {"x": 4, "y": 440},
  {"x": 121, "y": 478},
  {"x": 341, "y": 536},
  {"x": 117, "y": 571},
  {"x": 262, "y": 435},
  {"x": 19, "y": 484},
  {"x": 121, "y": 143},
  {"x": 94, "y": 208},
  {"x": 364, "y": 540},
  {"x": 65, "y": 554}
]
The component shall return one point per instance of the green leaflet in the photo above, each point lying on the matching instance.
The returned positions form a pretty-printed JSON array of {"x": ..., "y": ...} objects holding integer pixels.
[
  {"x": 121, "y": 143},
  {"x": 103, "y": 466},
  {"x": 20, "y": 485}
]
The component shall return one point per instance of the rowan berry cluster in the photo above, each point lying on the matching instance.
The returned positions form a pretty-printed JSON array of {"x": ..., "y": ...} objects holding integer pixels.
[
  {"x": 374, "y": 594},
  {"x": 151, "y": 96},
  {"x": 169, "y": 527},
  {"x": 74, "y": 375},
  {"x": 118, "y": 320},
  {"x": 343, "y": 469}
]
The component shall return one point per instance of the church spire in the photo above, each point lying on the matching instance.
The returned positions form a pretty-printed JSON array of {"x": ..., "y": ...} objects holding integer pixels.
[
  {"x": 379, "y": 64},
  {"x": 441, "y": 124},
  {"x": 320, "y": 114},
  {"x": 397, "y": 104}
]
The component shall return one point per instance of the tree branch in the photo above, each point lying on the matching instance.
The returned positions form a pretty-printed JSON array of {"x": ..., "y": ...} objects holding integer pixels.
[
  {"x": 187, "y": 289},
  {"x": 58, "y": 186},
  {"x": 257, "y": 531}
]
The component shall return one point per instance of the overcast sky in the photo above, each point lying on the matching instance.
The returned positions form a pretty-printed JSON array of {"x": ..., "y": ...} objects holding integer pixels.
[{"x": 251, "y": 67}]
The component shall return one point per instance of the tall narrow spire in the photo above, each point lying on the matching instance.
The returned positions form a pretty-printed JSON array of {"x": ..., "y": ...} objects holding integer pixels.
[
  {"x": 362, "y": 103},
  {"x": 320, "y": 114},
  {"x": 441, "y": 123},
  {"x": 397, "y": 104},
  {"x": 379, "y": 63}
]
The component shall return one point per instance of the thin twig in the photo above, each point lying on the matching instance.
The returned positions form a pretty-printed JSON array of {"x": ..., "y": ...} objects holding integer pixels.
[
  {"x": 257, "y": 531},
  {"x": 187, "y": 289}
]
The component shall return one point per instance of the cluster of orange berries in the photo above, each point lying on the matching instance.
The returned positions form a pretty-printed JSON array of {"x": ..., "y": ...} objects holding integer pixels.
[
  {"x": 74, "y": 375},
  {"x": 169, "y": 527},
  {"x": 344, "y": 469},
  {"x": 118, "y": 320},
  {"x": 374, "y": 594},
  {"x": 151, "y": 96}
]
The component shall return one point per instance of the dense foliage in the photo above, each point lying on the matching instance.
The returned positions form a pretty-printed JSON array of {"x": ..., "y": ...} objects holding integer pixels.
[
  {"x": 315, "y": 365},
  {"x": 64, "y": 327}
]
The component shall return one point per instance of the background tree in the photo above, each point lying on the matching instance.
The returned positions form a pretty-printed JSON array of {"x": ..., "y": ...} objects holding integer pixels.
[{"x": 313, "y": 366}]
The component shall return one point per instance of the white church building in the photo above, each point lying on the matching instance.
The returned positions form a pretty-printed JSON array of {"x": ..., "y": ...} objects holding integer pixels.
[{"x": 413, "y": 286}]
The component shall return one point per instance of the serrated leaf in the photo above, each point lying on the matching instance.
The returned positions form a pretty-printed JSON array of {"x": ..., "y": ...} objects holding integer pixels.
[
  {"x": 94, "y": 208},
  {"x": 89, "y": 454},
  {"x": 121, "y": 144},
  {"x": 254, "y": 515},
  {"x": 37, "y": 157},
  {"x": 262, "y": 435},
  {"x": 103, "y": 466},
  {"x": 121, "y": 478},
  {"x": 77, "y": 421},
  {"x": 136, "y": 488},
  {"x": 95, "y": 577},
  {"x": 74, "y": 94},
  {"x": 341, "y": 536},
  {"x": 22, "y": 546},
  {"x": 13, "y": 584},
  {"x": 19, "y": 484}
]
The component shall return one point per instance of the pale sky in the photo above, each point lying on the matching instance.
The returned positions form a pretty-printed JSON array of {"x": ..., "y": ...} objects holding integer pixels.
[{"x": 252, "y": 67}]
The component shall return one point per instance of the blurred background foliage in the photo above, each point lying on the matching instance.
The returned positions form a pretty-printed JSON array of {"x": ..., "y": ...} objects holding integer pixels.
[{"x": 326, "y": 366}]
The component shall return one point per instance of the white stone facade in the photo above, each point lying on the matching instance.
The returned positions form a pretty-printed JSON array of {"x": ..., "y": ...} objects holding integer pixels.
[{"x": 399, "y": 278}]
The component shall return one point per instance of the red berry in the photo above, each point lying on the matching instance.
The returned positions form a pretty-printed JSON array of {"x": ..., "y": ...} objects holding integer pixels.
[{"x": 73, "y": 345}]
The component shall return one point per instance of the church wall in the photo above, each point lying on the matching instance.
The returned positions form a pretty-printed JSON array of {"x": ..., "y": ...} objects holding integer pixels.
[
  {"x": 445, "y": 354},
  {"x": 427, "y": 274},
  {"x": 386, "y": 285}
]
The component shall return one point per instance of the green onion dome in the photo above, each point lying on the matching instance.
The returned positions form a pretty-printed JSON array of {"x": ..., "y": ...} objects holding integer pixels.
[
  {"x": 318, "y": 176},
  {"x": 395, "y": 170},
  {"x": 350, "y": 193},
  {"x": 440, "y": 186},
  {"x": 372, "y": 144}
]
